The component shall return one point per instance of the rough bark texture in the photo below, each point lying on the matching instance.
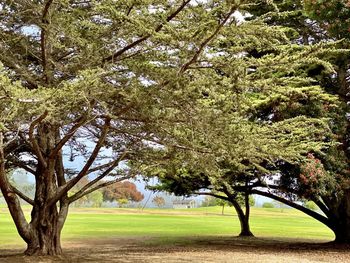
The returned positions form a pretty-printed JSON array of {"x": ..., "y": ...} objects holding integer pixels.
[
  {"x": 45, "y": 234},
  {"x": 46, "y": 220}
]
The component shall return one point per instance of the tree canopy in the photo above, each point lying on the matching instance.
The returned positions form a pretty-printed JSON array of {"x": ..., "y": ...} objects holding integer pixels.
[
  {"x": 122, "y": 190},
  {"x": 153, "y": 87}
]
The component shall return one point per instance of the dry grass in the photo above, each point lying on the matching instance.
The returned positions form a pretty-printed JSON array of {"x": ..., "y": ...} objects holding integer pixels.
[{"x": 218, "y": 249}]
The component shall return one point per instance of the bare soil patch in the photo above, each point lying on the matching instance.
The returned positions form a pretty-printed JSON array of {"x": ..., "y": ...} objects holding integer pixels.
[{"x": 218, "y": 249}]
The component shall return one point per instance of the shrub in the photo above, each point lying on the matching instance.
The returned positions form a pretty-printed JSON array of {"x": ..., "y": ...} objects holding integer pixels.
[{"x": 268, "y": 205}]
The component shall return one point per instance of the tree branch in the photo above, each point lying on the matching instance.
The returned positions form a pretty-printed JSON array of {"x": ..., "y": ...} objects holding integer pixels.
[
  {"x": 71, "y": 200},
  {"x": 43, "y": 39},
  {"x": 34, "y": 141},
  {"x": 46, "y": 8},
  {"x": 22, "y": 195},
  {"x": 205, "y": 42},
  {"x": 11, "y": 198},
  {"x": 32, "y": 84},
  {"x": 323, "y": 207},
  {"x": 65, "y": 188},
  {"x": 78, "y": 123},
  {"x": 113, "y": 165},
  {"x": 301, "y": 208},
  {"x": 212, "y": 194},
  {"x": 21, "y": 164},
  {"x": 113, "y": 57}
]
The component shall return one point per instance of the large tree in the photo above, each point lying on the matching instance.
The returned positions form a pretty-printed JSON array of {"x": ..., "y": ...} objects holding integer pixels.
[
  {"x": 100, "y": 81},
  {"x": 182, "y": 182},
  {"x": 324, "y": 177},
  {"x": 271, "y": 113}
]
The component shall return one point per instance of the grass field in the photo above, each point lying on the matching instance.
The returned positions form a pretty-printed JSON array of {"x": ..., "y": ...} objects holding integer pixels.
[{"x": 169, "y": 225}]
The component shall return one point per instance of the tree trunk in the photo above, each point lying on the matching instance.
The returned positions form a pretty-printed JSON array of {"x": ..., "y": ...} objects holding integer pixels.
[
  {"x": 245, "y": 227},
  {"x": 11, "y": 198},
  {"x": 243, "y": 219},
  {"x": 46, "y": 220},
  {"x": 45, "y": 232},
  {"x": 341, "y": 220}
]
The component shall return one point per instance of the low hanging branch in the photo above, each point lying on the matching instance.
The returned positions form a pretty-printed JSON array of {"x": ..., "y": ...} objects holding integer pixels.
[
  {"x": 301, "y": 208},
  {"x": 11, "y": 197}
]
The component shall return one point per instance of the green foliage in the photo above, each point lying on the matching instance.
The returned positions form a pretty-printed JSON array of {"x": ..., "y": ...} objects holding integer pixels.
[
  {"x": 180, "y": 90},
  {"x": 333, "y": 15},
  {"x": 96, "y": 198},
  {"x": 122, "y": 202},
  {"x": 268, "y": 205},
  {"x": 221, "y": 202}
]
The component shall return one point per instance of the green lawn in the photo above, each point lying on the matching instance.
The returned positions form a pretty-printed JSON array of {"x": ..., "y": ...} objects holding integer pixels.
[{"x": 169, "y": 225}]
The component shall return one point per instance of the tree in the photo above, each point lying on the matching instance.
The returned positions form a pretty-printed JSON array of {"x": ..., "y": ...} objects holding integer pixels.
[
  {"x": 222, "y": 203},
  {"x": 323, "y": 179},
  {"x": 158, "y": 201},
  {"x": 122, "y": 202},
  {"x": 268, "y": 205},
  {"x": 122, "y": 190},
  {"x": 262, "y": 120},
  {"x": 99, "y": 79},
  {"x": 185, "y": 183},
  {"x": 96, "y": 198}
]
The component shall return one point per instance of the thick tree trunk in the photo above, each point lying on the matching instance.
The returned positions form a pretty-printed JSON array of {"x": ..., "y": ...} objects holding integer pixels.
[
  {"x": 46, "y": 220},
  {"x": 45, "y": 232},
  {"x": 341, "y": 219},
  {"x": 245, "y": 228},
  {"x": 46, "y": 227}
]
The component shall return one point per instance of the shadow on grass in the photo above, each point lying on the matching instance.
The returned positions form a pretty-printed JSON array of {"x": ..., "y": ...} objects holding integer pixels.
[{"x": 180, "y": 249}]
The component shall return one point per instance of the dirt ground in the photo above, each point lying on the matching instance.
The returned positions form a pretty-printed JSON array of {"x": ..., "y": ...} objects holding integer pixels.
[{"x": 224, "y": 249}]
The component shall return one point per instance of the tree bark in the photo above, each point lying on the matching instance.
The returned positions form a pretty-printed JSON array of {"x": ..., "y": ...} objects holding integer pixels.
[
  {"x": 243, "y": 219},
  {"x": 45, "y": 233},
  {"x": 11, "y": 198},
  {"x": 46, "y": 220}
]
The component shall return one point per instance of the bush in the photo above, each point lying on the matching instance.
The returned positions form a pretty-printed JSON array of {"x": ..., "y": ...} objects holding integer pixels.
[{"x": 268, "y": 205}]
